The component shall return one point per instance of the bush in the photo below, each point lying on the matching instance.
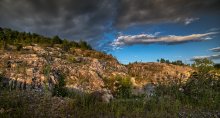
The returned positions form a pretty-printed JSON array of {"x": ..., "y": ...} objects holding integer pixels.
[
  {"x": 123, "y": 87},
  {"x": 203, "y": 90},
  {"x": 72, "y": 59},
  {"x": 59, "y": 89},
  {"x": 203, "y": 65},
  {"x": 19, "y": 47}
]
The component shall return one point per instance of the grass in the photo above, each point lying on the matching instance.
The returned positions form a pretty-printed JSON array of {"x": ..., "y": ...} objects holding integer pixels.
[{"x": 199, "y": 99}]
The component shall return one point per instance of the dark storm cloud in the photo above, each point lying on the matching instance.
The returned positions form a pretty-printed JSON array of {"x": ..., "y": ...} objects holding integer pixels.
[
  {"x": 67, "y": 18},
  {"x": 90, "y": 19},
  {"x": 132, "y": 12}
]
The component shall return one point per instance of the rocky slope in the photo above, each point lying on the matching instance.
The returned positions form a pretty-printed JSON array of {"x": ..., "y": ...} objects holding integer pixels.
[
  {"x": 158, "y": 73},
  {"x": 36, "y": 67}
]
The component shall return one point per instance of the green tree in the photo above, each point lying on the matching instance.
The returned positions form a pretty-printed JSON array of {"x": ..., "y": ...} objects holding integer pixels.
[
  {"x": 84, "y": 45},
  {"x": 162, "y": 60},
  {"x": 56, "y": 40},
  {"x": 178, "y": 62},
  {"x": 66, "y": 45},
  {"x": 203, "y": 65},
  {"x": 167, "y": 61},
  {"x": 158, "y": 60}
]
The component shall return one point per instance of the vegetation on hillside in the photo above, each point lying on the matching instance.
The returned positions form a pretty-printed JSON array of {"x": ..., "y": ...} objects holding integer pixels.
[
  {"x": 199, "y": 96},
  {"x": 177, "y": 62},
  {"x": 10, "y": 37}
]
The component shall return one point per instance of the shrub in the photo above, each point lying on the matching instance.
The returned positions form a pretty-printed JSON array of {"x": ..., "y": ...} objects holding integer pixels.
[
  {"x": 59, "y": 89},
  {"x": 203, "y": 90},
  {"x": 123, "y": 87},
  {"x": 203, "y": 65},
  {"x": 19, "y": 47},
  {"x": 72, "y": 59}
]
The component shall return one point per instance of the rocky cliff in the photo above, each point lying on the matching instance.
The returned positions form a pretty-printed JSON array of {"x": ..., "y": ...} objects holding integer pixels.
[
  {"x": 36, "y": 67},
  {"x": 155, "y": 73}
]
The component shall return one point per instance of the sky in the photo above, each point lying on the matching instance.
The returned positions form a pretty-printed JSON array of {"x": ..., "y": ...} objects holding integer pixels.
[{"x": 130, "y": 30}]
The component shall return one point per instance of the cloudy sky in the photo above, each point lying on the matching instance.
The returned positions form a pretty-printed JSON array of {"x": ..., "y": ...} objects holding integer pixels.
[{"x": 131, "y": 30}]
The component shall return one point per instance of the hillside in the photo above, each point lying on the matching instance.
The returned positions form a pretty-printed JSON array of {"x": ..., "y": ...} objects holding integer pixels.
[
  {"x": 158, "y": 73},
  {"x": 69, "y": 79},
  {"x": 84, "y": 70}
]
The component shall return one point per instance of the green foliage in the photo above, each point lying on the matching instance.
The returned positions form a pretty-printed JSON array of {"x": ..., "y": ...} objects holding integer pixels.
[
  {"x": 121, "y": 87},
  {"x": 19, "y": 47},
  {"x": 162, "y": 60},
  {"x": 10, "y": 37},
  {"x": 1, "y": 78},
  {"x": 200, "y": 97},
  {"x": 124, "y": 87},
  {"x": 66, "y": 45},
  {"x": 110, "y": 84},
  {"x": 217, "y": 66},
  {"x": 46, "y": 70},
  {"x": 84, "y": 45},
  {"x": 203, "y": 65},
  {"x": 177, "y": 62},
  {"x": 59, "y": 89},
  {"x": 201, "y": 89},
  {"x": 71, "y": 59},
  {"x": 56, "y": 40}
]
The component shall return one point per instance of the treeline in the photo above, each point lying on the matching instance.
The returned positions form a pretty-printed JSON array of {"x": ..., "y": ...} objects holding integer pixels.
[
  {"x": 12, "y": 37},
  {"x": 177, "y": 62}
]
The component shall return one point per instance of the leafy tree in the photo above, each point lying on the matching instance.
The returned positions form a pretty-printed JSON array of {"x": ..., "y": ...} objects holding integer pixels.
[
  {"x": 11, "y": 37},
  {"x": 167, "y": 61},
  {"x": 203, "y": 65},
  {"x": 66, "y": 45},
  {"x": 178, "y": 62},
  {"x": 84, "y": 45},
  {"x": 56, "y": 40},
  {"x": 1, "y": 34},
  {"x": 158, "y": 60},
  {"x": 162, "y": 60}
]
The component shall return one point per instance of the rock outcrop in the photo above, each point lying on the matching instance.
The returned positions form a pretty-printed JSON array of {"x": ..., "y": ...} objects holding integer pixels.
[{"x": 39, "y": 68}]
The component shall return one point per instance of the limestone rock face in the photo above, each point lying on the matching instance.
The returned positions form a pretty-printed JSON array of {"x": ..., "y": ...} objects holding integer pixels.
[
  {"x": 155, "y": 73},
  {"x": 38, "y": 68}
]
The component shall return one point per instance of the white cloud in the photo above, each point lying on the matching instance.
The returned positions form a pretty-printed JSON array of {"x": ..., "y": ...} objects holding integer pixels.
[
  {"x": 188, "y": 21},
  {"x": 217, "y": 49},
  {"x": 214, "y": 57},
  {"x": 214, "y": 29},
  {"x": 154, "y": 38}
]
